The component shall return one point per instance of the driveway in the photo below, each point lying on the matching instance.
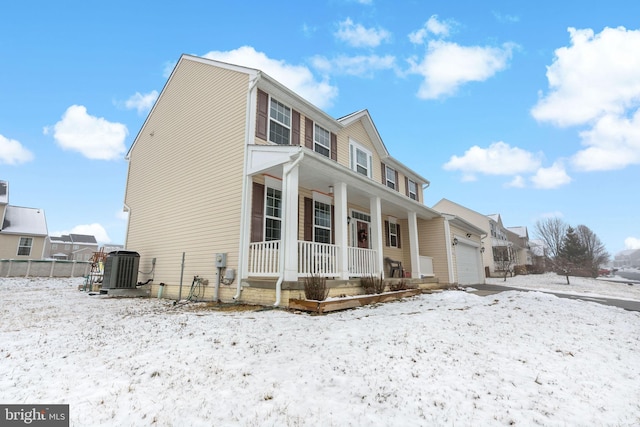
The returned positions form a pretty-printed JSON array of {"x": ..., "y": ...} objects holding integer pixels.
[{"x": 484, "y": 290}]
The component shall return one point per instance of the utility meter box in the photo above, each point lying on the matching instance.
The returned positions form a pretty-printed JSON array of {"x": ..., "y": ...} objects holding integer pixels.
[{"x": 221, "y": 260}]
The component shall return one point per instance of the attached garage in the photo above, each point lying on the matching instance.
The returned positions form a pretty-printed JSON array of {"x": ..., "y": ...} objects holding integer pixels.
[{"x": 468, "y": 264}]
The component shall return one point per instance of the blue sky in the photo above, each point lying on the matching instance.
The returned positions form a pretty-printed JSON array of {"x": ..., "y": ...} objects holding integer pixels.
[{"x": 526, "y": 109}]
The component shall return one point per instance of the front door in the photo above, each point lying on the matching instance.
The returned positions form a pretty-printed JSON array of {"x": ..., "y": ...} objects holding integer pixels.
[{"x": 362, "y": 234}]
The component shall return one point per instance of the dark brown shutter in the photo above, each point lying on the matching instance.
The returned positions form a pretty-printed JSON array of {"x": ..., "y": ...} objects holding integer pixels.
[
  {"x": 308, "y": 219},
  {"x": 406, "y": 186},
  {"x": 398, "y": 235},
  {"x": 308, "y": 133},
  {"x": 386, "y": 233},
  {"x": 262, "y": 115},
  {"x": 295, "y": 127},
  {"x": 397, "y": 183},
  {"x": 334, "y": 146},
  {"x": 384, "y": 174},
  {"x": 257, "y": 212}
]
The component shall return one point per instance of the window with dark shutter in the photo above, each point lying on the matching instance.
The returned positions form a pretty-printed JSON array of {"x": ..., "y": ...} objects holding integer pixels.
[{"x": 308, "y": 219}]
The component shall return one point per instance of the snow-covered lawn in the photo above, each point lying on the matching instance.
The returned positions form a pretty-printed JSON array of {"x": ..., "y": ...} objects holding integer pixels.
[
  {"x": 613, "y": 287},
  {"x": 453, "y": 358}
]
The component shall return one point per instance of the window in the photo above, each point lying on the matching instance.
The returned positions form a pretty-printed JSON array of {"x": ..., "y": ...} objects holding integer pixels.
[
  {"x": 393, "y": 234},
  {"x": 279, "y": 123},
  {"x": 76, "y": 247},
  {"x": 321, "y": 222},
  {"x": 391, "y": 178},
  {"x": 24, "y": 248},
  {"x": 413, "y": 190},
  {"x": 360, "y": 159},
  {"x": 322, "y": 141},
  {"x": 273, "y": 214}
]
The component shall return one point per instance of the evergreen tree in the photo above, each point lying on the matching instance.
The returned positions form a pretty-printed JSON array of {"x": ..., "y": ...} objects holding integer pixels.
[{"x": 572, "y": 253}]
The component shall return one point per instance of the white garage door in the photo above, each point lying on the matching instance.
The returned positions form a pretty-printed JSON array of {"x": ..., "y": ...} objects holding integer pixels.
[{"x": 468, "y": 260}]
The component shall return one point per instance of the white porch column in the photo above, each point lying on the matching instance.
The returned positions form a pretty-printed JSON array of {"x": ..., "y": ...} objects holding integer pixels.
[
  {"x": 340, "y": 210},
  {"x": 289, "y": 250},
  {"x": 414, "y": 245},
  {"x": 376, "y": 231}
]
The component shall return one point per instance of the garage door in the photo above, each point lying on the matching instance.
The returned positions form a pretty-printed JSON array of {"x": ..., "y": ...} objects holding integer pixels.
[{"x": 468, "y": 260}]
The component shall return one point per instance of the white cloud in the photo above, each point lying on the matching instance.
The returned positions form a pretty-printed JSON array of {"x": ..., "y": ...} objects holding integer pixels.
[
  {"x": 93, "y": 137},
  {"x": 357, "y": 35},
  {"x": 12, "y": 152},
  {"x": 142, "y": 102},
  {"x": 96, "y": 230},
  {"x": 551, "y": 177},
  {"x": 613, "y": 143},
  {"x": 596, "y": 75},
  {"x": 632, "y": 243},
  {"x": 517, "y": 182},
  {"x": 498, "y": 159},
  {"x": 506, "y": 18},
  {"x": 296, "y": 77},
  {"x": 360, "y": 65},
  {"x": 432, "y": 26},
  {"x": 447, "y": 66}
]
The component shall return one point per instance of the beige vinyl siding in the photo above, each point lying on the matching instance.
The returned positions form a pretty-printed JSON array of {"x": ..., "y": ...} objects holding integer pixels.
[
  {"x": 357, "y": 132},
  {"x": 9, "y": 246},
  {"x": 432, "y": 243},
  {"x": 185, "y": 180}
]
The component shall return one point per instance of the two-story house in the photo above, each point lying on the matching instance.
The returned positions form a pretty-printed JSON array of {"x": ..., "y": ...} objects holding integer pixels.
[
  {"x": 71, "y": 247},
  {"x": 22, "y": 230},
  {"x": 230, "y": 162}
]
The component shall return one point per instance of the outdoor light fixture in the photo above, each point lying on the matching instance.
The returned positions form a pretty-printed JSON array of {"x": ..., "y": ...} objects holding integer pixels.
[
  {"x": 348, "y": 220},
  {"x": 331, "y": 189},
  {"x": 455, "y": 241},
  {"x": 468, "y": 235},
  {"x": 482, "y": 249}
]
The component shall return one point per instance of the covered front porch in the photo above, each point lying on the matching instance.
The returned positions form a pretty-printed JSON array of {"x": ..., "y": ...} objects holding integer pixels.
[{"x": 301, "y": 184}]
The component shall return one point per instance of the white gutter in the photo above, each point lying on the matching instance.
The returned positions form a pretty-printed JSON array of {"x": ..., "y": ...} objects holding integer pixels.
[
  {"x": 286, "y": 170},
  {"x": 245, "y": 187}
]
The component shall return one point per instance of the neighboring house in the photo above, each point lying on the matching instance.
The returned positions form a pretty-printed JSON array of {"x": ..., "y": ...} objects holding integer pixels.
[
  {"x": 231, "y": 162},
  {"x": 519, "y": 238},
  {"x": 23, "y": 231},
  {"x": 627, "y": 258},
  {"x": 499, "y": 252},
  {"x": 71, "y": 247},
  {"x": 539, "y": 254}
]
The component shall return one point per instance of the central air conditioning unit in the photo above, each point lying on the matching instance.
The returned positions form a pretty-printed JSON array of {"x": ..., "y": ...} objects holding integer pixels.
[{"x": 121, "y": 270}]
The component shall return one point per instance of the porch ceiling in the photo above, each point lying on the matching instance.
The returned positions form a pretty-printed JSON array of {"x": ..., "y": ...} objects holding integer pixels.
[{"x": 317, "y": 173}]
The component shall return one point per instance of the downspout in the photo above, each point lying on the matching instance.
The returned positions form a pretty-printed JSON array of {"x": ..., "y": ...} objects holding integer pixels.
[
  {"x": 245, "y": 190},
  {"x": 286, "y": 170}
]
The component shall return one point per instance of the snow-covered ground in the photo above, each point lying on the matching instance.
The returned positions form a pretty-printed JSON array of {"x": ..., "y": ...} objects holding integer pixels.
[
  {"x": 613, "y": 286},
  {"x": 452, "y": 359}
]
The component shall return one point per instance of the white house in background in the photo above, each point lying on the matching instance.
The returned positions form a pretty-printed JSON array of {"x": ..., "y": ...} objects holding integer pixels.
[
  {"x": 23, "y": 231},
  {"x": 71, "y": 247},
  {"x": 498, "y": 250},
  {"x": 235, "y": 178}
]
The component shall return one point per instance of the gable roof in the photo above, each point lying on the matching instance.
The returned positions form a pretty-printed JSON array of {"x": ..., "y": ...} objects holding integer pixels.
[
  {"x": 521, "y": 231},
  {"x": 74, "y": 238},
  {"x": 19, "y": 220}
]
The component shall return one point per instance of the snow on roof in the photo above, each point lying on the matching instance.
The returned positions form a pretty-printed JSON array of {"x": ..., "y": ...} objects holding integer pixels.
[
  {"x": 19, "y": 220},
  {"x": 520, "y": 230}
]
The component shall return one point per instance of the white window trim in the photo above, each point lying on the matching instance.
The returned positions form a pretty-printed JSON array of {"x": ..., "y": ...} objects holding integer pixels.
[
  {"x": 324, "y": 199},
  {"x": 275, "y": 184},
  {"x": 316, "y": 141},
  {"x": 410, "y": 181},
  {"x": 353, "y": 158},
  {"x": 30, "y": 246},
  {"x": 269, "y": 118},
  {"x": 394, "y": 221},
  {"x": 388, "y": 168}
]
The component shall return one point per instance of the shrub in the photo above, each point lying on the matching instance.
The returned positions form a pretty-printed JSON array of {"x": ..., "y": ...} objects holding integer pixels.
[
  {"x": 372, "y": 285},
  {"x": 398, "y": 286},
  {"x": 315, "y": 288}
]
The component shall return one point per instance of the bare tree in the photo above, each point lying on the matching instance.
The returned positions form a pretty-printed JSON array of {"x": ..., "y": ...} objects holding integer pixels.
[
  {"x": 552, "y": 232},
  {"x": 597, "y": 254}
]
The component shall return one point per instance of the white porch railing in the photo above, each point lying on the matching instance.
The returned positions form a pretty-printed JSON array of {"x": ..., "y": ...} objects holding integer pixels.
[
  {"x": 264, "y": 258},
  {"x": 317, "y": 259},
  {"x": 362, "y": 262},
  {"x": 426, "y": 266}
]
